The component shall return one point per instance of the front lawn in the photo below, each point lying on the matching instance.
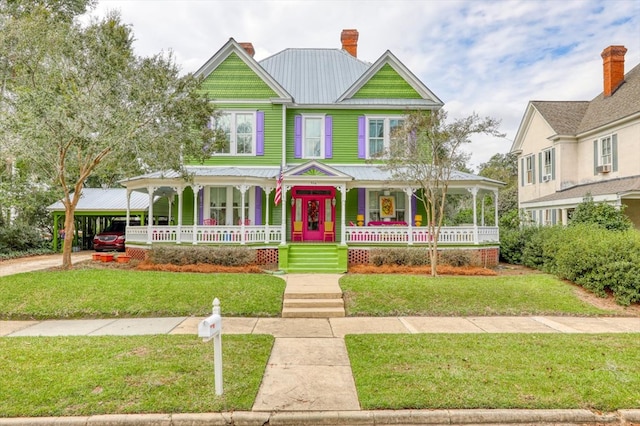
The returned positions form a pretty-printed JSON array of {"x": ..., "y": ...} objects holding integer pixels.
[
  {"x": 419, "y": 295},
  {"x": 110, "y": 293},
  {"x": 533, "y": 371},
  {"x": 74, "y": 376}
]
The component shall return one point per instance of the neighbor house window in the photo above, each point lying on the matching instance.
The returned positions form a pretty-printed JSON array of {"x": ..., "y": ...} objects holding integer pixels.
[
  {"x": 380, "y": 131},
  {"x": 529, "y": 169},
  {"x": 547, "y": 159},
  {"x": 373, "y": 210},
  {"x": 240, "y": 131},
  {"x": 605, "y": 151},
  {"x": 313, "y": 138}
]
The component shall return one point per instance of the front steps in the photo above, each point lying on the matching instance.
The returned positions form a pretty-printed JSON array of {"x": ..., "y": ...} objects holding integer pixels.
[
  {"x": 313, "y": 296},
  {"x": 316, "y": 258}
]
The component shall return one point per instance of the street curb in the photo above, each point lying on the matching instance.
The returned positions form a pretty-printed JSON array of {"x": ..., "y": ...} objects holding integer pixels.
[{"x": 344, "y": 418}]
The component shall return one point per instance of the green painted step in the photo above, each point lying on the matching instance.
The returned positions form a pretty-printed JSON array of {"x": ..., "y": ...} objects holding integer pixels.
[{"x": 314, "y": 258}]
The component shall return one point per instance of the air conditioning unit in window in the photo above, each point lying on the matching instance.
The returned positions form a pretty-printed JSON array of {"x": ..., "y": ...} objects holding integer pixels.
[
  {"x": 605, "y": 168},
  {"x": 546, "y": 178}
]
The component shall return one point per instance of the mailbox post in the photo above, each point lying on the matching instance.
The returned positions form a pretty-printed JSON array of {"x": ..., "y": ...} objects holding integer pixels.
[{"x": 210, "y": 328}]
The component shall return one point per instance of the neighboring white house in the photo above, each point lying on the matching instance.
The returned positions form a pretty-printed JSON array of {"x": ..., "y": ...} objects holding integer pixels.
[{"x": 568, "y": 150}]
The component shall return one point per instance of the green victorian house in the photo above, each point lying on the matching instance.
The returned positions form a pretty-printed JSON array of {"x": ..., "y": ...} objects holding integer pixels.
[{"x": 295, "y": 180}]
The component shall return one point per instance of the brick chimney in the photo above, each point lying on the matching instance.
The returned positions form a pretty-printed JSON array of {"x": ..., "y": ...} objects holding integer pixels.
[
  {"x": 613, "y": 68},
  {"x": 349, "y": 40},
  {"x": 248, "y": 47}
]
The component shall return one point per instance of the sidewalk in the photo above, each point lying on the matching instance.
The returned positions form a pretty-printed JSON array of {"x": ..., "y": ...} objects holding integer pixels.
[{"x": 308, "y": 378}]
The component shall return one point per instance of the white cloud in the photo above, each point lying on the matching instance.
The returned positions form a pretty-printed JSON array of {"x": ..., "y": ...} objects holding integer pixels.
[{"x": 490, "y": 57}]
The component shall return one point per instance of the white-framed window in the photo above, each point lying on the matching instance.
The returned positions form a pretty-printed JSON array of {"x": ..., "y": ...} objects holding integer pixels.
[
  {"x": 373, "y": 205},
  {"x": 240, "y": 130},
  {"x": 380, "y": 130},
  {"x": 225, "y": 205},
  {"x": 529, "y": 164},
  {"x": 547, "y": 166},
  {"x": 313, "y": 136},
  {"x": 606, "y": 151}
]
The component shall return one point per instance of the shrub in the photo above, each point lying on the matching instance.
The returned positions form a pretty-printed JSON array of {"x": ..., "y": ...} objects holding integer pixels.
[
  {"x": 223, "y": 256},
  {"x": 601, "y": 214},
  {"x": 398, "y": 256},
  {"x": 512, "y": 242},
  {"x": 539, "y": 251},
  {"x": 20, "y": 238},
  {"x": 455, "y": 258}
]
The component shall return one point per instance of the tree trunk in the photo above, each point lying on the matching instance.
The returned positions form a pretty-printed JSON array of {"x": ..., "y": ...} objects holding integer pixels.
[{"x": 67, "y": 246}]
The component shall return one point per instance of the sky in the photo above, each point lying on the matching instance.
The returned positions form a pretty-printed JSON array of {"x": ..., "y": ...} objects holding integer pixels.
[{"x": 477, "y": 56}]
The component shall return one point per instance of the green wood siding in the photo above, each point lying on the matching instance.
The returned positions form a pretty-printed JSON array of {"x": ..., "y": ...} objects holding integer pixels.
[
  {"x": 233, "y": 79},
  {"x": 387, "y": 83},
  {"x": 345, "y": 133},
  {"x": 272, "y": 137}
]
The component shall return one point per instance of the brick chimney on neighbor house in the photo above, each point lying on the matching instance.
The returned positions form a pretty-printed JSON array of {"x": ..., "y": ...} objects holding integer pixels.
[
  {"x": 349, "y": 40},
  {"x": 613, "y": 68},
  {"x": 248, "y": 47}
]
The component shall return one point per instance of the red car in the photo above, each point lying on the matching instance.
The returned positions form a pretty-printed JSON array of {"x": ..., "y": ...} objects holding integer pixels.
[{"x": 112, "y": 238}]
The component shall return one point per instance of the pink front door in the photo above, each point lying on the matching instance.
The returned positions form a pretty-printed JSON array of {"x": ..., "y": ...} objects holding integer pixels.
[{"x": 313, "y": 207}]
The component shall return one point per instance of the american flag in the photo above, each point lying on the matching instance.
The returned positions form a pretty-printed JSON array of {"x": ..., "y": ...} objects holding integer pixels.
[{"x": 278, "y": 196}]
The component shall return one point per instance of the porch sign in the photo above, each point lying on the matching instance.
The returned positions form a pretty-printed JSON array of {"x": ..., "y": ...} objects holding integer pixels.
[
  {"x": 387, "y": 206},
  {"x": 210, "y": 328}
]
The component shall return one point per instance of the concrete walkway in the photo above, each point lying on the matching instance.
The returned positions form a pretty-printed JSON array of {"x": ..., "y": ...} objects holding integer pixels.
[{"x": 309, "y": 370}]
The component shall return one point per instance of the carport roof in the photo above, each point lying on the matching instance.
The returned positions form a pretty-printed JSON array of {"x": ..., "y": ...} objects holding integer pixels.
[{"x": 107, "y": 200}]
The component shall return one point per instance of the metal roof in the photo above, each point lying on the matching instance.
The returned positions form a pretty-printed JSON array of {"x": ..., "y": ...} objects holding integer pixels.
[
  {"x": 111, "y": 199},
  {"x": 314, "y": 76}
]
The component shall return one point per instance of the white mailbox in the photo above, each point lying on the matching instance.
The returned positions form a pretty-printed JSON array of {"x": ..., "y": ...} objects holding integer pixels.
[{"x": 210, "y": 326}]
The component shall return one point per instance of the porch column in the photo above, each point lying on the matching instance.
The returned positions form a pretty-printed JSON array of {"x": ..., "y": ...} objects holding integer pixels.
[
  {"x": 474, "y": 192},
  {"x": 495, "y": 207},
  {"x": 482, "y": 211},
  {"x": 150, "y": 191},
  {"x": 179, "y": 190},
  {"x": 128, "y": 206},
  {"x": 196, "y": 190},
  {"x": 409, "y": 192},
  {"x": 267, "y": 191},
  {"x": 283, "y": 225},
  {"x": 564, "y": 216},
  {"x": 343, "y": 214},
  {"x": 243, "y": 189}
]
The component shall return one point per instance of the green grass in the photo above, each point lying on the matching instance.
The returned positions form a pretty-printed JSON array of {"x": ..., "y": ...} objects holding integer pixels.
[
  {"x": 402, "y": 295},
  {"x": 70, "y": 376},
  {"x": 102, "y": 293},
  {"x": 530, "y": 371}
]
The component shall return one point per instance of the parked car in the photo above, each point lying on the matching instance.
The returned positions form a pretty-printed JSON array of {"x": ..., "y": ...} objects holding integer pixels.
[{"x": 112, "y": 238}]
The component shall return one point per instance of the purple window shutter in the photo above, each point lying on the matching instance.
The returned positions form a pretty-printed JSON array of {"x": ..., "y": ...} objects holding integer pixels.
[
  {"x": 260, "y": 133},
  {"x": 258, "y": 215},
  {"x": 297, "y": 129},
  {"x": 328, "y": 137},
  {"x": 362, "y": 149},
  {"x": 200, "y": 206},
  {"x": 362, "y": 193}
]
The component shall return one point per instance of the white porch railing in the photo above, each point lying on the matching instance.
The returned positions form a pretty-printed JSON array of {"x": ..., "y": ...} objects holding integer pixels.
[
  {"x": 421, "y": 235},
  {"x": 204, "y": 234},
  {"x": 354, "y": 234}
]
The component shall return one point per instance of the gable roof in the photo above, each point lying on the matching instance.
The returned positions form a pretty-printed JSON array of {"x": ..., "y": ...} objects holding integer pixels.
[
  {"x": 563, "y": 117},
  {"x": 232, "y": 47}
]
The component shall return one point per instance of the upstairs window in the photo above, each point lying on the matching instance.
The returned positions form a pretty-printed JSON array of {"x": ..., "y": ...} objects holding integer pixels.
[
  {"x": 240, "y": 131},
  {"x": 529, "y": 169},
  {"x": 380, "y": 131},
  {"x": 312, "y": 140},
  {"x": 605, "y": 151},
  {"x": 547, "y": 163},
  {"x": 605, "y": 154}
]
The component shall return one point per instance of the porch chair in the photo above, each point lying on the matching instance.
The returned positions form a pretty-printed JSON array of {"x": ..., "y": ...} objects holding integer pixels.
[
  {"x": 297, "y": 231},
  {"x": 329, "y": 231}
]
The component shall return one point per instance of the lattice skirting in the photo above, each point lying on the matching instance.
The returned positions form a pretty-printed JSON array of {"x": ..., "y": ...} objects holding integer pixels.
[{"x": 481, "y": 256}]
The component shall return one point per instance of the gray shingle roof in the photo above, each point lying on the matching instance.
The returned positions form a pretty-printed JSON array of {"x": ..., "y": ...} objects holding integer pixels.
[
  {"x": 575, "y": 117},
  {"x": 314, "y": 76},
  {"x": 612, "y": 186}
]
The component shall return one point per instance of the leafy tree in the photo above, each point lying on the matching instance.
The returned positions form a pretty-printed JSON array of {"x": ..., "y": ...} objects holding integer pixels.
[
  {"x": 601, "y": 214},
  {"x": 425, "y": 151},
  {"x": 77, "y": 103}
]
